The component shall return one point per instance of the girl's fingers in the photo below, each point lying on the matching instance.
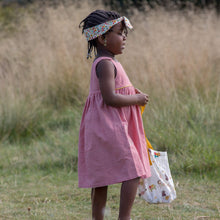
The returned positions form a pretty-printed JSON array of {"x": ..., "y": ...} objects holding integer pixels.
[{"x": 147, "y": 98}]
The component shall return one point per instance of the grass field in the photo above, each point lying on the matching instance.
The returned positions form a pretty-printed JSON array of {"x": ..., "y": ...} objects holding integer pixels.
[
  {"x": 53, "y": 194},
  {"x": 38, "y": 180},
  {"x": 44, "y": 81}
]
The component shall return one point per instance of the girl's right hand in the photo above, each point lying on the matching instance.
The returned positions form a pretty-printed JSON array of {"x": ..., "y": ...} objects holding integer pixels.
[{"x": 142, "y": 97}]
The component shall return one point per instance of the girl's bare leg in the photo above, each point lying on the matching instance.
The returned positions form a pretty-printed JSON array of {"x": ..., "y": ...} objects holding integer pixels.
[
  {"x": 128, "y": 193},
  {"x": 99, "y": 197}
]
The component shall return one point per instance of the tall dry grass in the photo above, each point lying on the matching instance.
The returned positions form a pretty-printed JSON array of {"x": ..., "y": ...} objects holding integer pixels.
[
  {"x": 176, "y": 51},
  {"x": 172, "y": 56},
  {"x": 41, "y": 64}
]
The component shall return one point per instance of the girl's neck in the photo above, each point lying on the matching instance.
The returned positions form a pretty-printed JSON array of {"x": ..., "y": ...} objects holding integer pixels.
[{"x": 104, "y": 53}]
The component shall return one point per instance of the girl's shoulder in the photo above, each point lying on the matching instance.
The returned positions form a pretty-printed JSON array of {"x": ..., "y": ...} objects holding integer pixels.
[
  {"x": 103, "y": 63},
  {"x": 105, "y": 58}
]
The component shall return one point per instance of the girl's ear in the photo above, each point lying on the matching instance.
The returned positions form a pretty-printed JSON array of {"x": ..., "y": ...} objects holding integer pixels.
[{"x": 101, "y": 39}]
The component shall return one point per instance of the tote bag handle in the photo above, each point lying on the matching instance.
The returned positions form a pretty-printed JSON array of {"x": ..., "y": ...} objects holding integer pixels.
[{"x": 148, "y": 142}]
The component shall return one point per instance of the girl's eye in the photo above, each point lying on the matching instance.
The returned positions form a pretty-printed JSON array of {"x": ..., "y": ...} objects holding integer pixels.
[{"x": 123, "y": 33}]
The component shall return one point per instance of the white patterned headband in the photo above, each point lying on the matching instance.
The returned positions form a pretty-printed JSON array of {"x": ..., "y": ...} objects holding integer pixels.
[{"x": 98, "y": 30}]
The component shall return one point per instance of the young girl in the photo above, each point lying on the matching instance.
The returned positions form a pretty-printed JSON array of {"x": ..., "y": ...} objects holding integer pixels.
[{"x": 112, "y": 146}]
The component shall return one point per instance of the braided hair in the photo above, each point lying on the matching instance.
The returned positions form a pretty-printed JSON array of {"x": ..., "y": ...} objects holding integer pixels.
[{"x": 95, "y": 18}]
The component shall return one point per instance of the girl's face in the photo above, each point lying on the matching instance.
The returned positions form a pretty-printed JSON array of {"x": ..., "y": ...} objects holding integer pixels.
[{"x": 116, "y": 39}]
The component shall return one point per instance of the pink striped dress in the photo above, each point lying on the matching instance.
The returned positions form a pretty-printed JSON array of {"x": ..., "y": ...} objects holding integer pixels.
[{"x": 112, "y": 145}]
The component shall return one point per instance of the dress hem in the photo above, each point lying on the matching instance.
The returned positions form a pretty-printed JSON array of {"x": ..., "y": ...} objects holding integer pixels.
[{"x": 113, "y": 182}]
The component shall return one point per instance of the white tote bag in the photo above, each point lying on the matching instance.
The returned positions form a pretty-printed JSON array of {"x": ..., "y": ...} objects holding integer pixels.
[{"x": 159, "y": 188}]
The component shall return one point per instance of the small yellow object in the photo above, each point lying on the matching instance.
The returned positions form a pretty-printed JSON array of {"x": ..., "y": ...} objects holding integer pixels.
[{"x": 148, "y": 143}]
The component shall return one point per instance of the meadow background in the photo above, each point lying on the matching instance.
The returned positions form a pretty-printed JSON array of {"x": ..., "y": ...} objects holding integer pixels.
[{"x": 173, "y": 56}]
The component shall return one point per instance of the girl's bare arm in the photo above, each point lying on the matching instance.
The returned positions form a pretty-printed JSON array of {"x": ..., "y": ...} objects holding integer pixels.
[{"x": 105, "y": 72}]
